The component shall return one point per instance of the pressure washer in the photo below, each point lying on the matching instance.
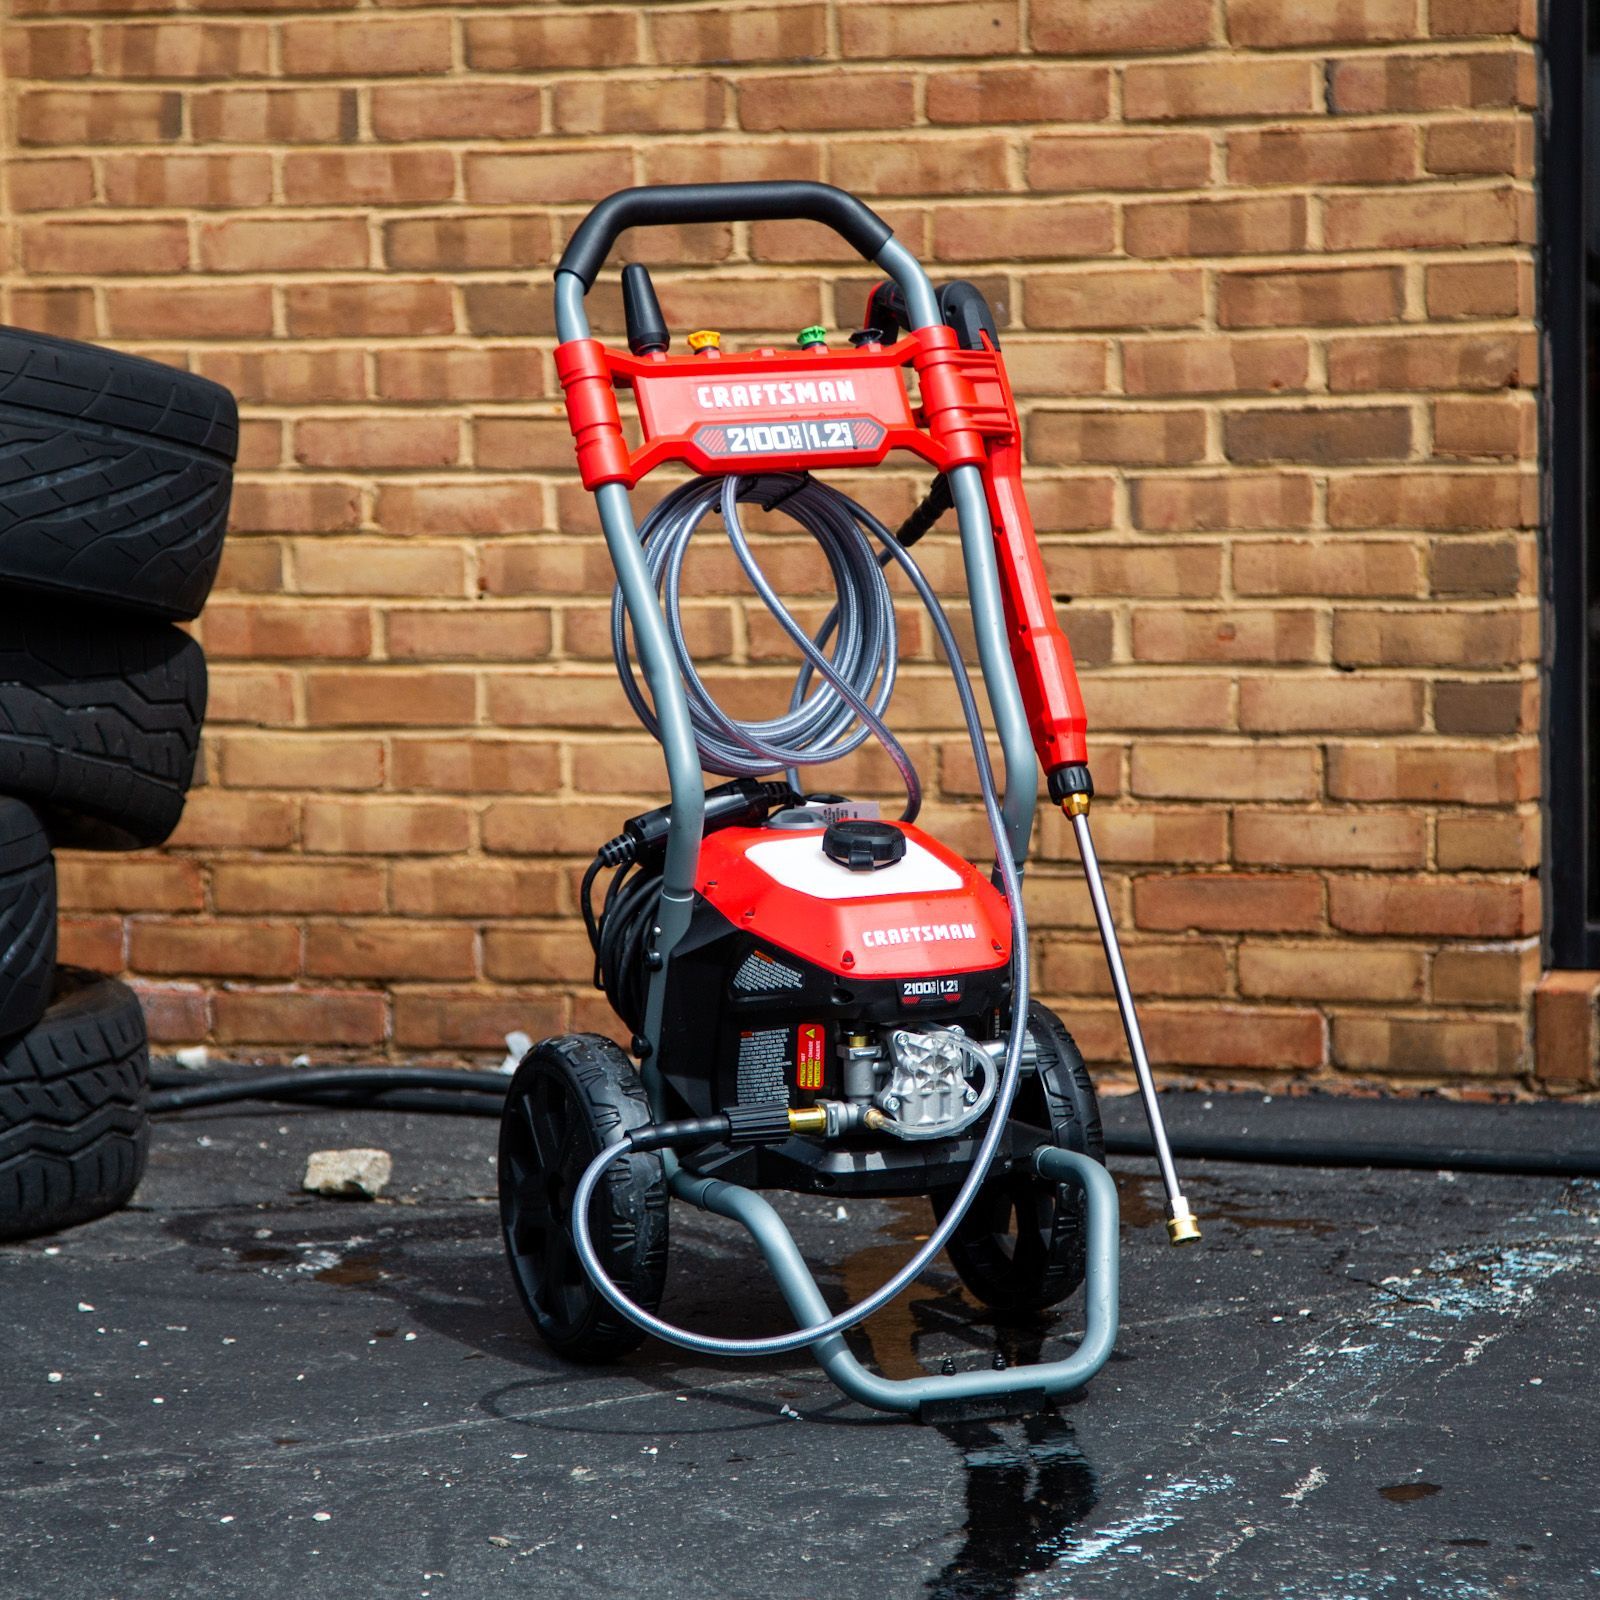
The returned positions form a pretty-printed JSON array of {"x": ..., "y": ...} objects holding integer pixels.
[{"x": 819, "y": 1000}]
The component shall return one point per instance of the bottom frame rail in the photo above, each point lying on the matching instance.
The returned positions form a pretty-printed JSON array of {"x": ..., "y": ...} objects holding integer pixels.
[{"x": 1013, "y": 1389}]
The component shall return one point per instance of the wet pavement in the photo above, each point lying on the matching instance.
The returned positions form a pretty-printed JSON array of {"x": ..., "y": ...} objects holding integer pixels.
[{"x": 1360, "y": 1385}]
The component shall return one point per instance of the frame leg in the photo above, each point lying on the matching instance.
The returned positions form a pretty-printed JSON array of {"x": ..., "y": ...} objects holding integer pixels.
[
  {"x": 1025, "y": 1388},
  {"x": 1181, "y": 1225}
]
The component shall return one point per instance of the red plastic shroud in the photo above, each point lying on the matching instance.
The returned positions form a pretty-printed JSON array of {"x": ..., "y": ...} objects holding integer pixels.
[
  {"x": 773, "y": 411},
  {"x": 877, "y": 935}
]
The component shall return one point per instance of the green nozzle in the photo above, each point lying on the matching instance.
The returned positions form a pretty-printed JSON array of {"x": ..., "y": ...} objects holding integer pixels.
[{"x": 810, "y": 336}]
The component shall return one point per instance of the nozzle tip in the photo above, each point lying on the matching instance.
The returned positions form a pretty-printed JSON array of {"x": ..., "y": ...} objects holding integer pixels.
[
  {"x": 1075, "y": 804},
  {"x": 1181, "y": 1226}
]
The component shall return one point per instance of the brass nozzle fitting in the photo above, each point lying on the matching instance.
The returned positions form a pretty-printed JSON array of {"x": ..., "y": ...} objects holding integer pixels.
[
  {"x": 1075, "y": 805},
  {"x": 1181, "y": 1226},
  {"x": 808, "y": 1119}
]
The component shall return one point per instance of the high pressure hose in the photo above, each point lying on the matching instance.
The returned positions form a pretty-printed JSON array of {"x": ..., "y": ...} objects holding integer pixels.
[
  {"x": 857, "y": 679},
  {"x": 846, "y": 526}
]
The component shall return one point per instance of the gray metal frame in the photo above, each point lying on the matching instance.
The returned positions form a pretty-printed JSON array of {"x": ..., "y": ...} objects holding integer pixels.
[{"x": 687, "y": 790}]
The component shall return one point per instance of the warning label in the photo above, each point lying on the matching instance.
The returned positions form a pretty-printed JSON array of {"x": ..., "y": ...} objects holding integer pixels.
[
  {"x": 759, "y": 974},
  {"x": 763, "y": 1066},
  {"x": 809, "y": 1053}
]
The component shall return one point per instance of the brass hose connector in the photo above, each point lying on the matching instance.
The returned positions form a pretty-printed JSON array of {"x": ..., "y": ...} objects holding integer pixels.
[
  {"x": 1181, "y": 1226},
  {"x": 1075, "y": 805},
  {"x": 808, "y": 1119}
]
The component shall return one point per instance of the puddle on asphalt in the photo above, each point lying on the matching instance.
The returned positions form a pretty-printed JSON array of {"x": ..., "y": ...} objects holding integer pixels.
[
  {"x": 1404, "y": 1493},
  {"x": 1141, "y": 1202},
  {"x": 352, "y": 1272},
  {"x": 1027, "y": 1484}
]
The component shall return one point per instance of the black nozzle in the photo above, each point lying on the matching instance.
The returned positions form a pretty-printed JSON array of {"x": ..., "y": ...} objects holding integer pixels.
[{"x": 647, "y": 328}]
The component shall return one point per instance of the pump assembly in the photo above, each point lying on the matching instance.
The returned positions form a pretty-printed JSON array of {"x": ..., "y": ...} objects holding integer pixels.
[{"x": 820, "y": 1000}]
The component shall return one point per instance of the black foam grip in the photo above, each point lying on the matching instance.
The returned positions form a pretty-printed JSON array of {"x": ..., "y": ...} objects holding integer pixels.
[{"x": 658, "y": 205}]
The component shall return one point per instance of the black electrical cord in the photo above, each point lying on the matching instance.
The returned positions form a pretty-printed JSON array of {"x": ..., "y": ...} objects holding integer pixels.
[
  {"x": 481, "y": 1094},
  {"x": 1254, "y": 1150}
]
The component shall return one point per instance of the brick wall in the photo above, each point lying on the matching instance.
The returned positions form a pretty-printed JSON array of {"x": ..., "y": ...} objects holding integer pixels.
[{"x": 1264, "y": 274}]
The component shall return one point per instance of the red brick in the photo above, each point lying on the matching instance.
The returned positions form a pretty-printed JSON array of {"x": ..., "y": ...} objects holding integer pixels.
[
  {"x": 1427, "y": 1047},
  {"x": 902, "y": 28},
  {"x": 184, "y": 49},
  {"x": 1323, "y": 568},
  {"x": 612, "y": 106},
  {"x": 1036, "y": 93},
  {"x": 1259, "y": 225},
  {"x": 378, "y": 567},
  {"x": 1216, "y": 365},
  {"x": 1172, "y": 503},
  {"x": 1322, "y": 155},
  {"x": 388, "y": 697},
  {"x": 287, "y": 377},
  {"x": 1419, "y": 638},
  {"x": 1146, "y": 298},
  {"x": 1219, "y": 88},
  {"x": 1448, "y": 774},
  {"x": 471, "y": 1020},
  {"x": 1373, "y": 840},
  {"x": 300, "y": 1017},
  {"x": 1118, "y": 27},
  {"x": 174, "y": 1013},
  {"x": 386, "y": 827},
  {"x": 445, "y": 374},
  {"x": 51, "y": 184},
  {"x": 299, "y": 761},
  {"x": 1054, "y": 230},
  {"x": 350, "y": 310},
  {"x": 1475, "y": 147},
  {"x": 1479, "y": 289},
  {"x": 1249, "y": 1037},
  {"x": 458, "y": 110},
  {"x": 274, "y": 116},
  {"x": 783, "y": 33},
  {"x": 1437, "y": 499},
  {"x": 1228, "y": 902},
  {"x": 368, "y": 442},
  {"x": 506, "y": 177},
  {"x": 104, "y": 248},
  {"x": 1127, "y": 438},
  {"x": 1273, "y": 24},
  {"x": 213, "y": 820},
  {"x": 1408, "y": 219},
  {"x": 477, "y": 889},
  {"x": 298, "y": 245},
  {"x": 1308, "y": 297},
  {"x": 1362, "y": 85},
  {"x": 543, "y": 43},
  {"x": 106, "y": 883},
  {"x": 104, "y": 116},
  {"x": 543, "y": 955},
  {"x": 1142, "y": 161},
  {"x": 367, "y": 177},
  {"x": 287, "y": 632},
  {"x": 1225, "y": 772},
  {"x": 184, "y": 311},
  {"x": 215, "y": 949},
  {"x": 390, "y": 950},
  {"x": 1431, "y": 361},
  {"x": 342, "y": 887},
  {"x": 188, "y": 181},
  {"x": 1171, "y": 634},
  {"x": 1329, "y": 971},
  {"x": 92, "y": 942},
  {"x": 808, "y": 102},
  {"x": 471, "y": 506},
  {"x": 477, "y": 633},
  {"x": 919, "y": 165},
  {"x": 387, "y": 47},
  {"x": 1565, "y": 1029}
]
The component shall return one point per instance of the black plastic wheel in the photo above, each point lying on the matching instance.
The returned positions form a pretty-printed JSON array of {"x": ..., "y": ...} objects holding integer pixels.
[
  {"x": 1023, "y": 1245},
  {"x": 27, "y": 918},
  {"x": 73, "y": 1126},
  {"x": 115, "y": 475},
  {"x": 99, "y": 721},
  {"x": 570, "y": 1098}
]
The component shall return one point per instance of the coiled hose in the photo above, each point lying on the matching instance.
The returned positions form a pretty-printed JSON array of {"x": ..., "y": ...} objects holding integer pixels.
[
  {"x": 838, "y": 523},
  {"x": 857, "y": 677}
]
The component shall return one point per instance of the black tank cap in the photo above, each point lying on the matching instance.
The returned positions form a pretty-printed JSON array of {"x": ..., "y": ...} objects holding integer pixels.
[{"x": 863, "y": 846}]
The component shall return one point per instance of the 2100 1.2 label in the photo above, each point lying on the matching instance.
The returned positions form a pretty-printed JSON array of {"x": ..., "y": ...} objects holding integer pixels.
[{"x": 780, "y": 438}]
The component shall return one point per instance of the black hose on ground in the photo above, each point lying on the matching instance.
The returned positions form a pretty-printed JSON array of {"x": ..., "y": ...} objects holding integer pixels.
[{"x": 454, "y": 1092}]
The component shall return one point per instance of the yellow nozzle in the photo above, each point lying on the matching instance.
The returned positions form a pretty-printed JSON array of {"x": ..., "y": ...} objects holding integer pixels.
[
  {"x": 1075, "y": 805},
  {"x": 704, "y": 339}
]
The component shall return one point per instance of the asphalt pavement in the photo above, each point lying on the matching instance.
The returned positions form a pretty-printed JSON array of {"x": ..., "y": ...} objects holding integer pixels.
[{"x": 1361, "y": 1384}]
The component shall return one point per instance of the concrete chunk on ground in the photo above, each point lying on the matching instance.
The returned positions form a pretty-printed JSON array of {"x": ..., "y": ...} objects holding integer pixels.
[{"x": 347, "y": 1174}]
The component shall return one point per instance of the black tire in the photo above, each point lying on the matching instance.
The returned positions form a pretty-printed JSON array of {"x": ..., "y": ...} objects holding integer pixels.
[
  {"x": 1023, "y": 1245},
  {"x": 99, "y": 722},
  {"x": 115, "y": 475},
  {"x": 73, "y": 1128},
  {"x": 570, "y": 1097},
  {"x": 27, "y": 918}
]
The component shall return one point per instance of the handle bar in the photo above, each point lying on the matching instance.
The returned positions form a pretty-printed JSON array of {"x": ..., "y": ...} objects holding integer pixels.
[{"x": 661, "y": 204}]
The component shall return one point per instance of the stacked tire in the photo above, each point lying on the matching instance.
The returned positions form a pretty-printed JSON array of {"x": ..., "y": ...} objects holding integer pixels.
[{"x": 115, "y": 480}]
